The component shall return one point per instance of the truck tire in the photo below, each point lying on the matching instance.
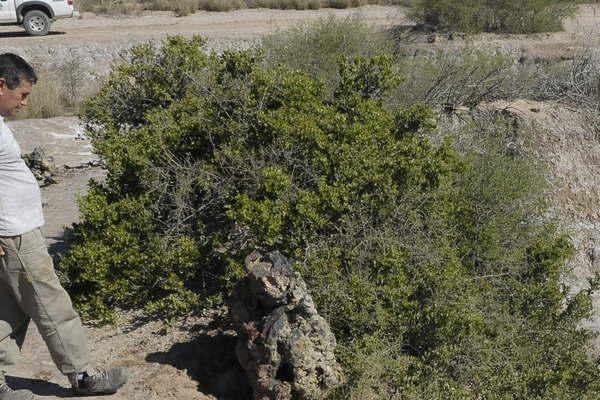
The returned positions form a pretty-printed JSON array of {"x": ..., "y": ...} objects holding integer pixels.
[{"x": 36, "y": 23}]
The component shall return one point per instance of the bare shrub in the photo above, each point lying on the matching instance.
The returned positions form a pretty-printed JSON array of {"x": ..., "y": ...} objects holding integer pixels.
[
  {"x": 111, "y": 7},
  {"x": 72, "y": 76},
  {"x": 572, "y": 82},
  {"x": 285, "y": 4},
  {"x": 338, "y": 3},
  {"x": 575, "y": 84},
  {"x": 314, "y": 4},
  {"x": 86, "y": 5},
  {"x": 463, "y": 77},
  {"x": 181, "y": 8},
  {"x": 160, "y": 5},
  {"x": 186, "y": 7}
]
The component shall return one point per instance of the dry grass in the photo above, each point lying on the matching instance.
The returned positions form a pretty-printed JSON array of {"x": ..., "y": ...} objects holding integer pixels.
[
  {"x": 44, "y": 102},
  {"x": 110, "y": 7},
  {"x": 220, "y": 5},
  {"x": 61, "y": 87},
  {"x": 186, "y": 7},
  {"x": 181, "y": 8},
  {"x": 285, "y": 4}
]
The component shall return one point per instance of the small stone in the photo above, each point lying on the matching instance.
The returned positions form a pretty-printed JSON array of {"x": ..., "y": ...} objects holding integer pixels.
[
  {"x": 42, "y": 167},
  {"x": 594, "y": 255}
]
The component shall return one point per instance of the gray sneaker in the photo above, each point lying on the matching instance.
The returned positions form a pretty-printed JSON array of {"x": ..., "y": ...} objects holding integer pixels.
[
  {"x": 102, "y": 382},
  {"x": 6, "y": 393}
]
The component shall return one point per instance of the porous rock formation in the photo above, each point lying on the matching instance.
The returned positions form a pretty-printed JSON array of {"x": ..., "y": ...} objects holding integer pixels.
[
  {"x": 41, "y": 166},
  {"x": 284, "y": 345}
]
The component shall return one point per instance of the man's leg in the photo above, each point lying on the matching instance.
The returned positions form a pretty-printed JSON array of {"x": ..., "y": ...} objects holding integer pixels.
[
  {"x": 13, "y": 326},
  {"x": 29, "y": 273},
  {"x": 38, "y": 292}
]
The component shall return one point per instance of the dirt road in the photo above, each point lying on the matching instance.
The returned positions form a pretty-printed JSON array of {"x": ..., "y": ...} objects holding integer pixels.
[{"x": 234, "y": 25}]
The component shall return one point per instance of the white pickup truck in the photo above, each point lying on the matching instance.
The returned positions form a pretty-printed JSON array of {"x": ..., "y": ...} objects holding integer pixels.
[{"x": 35, "y": 15}]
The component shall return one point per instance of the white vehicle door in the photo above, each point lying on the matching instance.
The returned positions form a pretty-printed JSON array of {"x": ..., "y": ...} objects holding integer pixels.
[{"x": 8, "y": 11}]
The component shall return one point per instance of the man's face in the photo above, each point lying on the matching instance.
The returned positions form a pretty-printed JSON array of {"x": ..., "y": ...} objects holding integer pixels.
[{"x": 11, "y": 100}]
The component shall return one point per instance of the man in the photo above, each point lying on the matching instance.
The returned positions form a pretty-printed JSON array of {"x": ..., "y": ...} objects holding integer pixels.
[{"x": 29, "y": 287}]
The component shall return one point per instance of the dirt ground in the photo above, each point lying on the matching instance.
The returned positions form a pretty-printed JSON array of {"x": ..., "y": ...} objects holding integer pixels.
[
  {"x": 189, "y": 359},
  {"x": 240, "y": 24}
]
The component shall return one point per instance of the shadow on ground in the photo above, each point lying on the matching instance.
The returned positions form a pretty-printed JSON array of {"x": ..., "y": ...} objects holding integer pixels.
[
  {"x": 210, "y": 360},
  {"x": 39, "y": 387},
  {"x": 24, "y": 34},
  {"x": 60, "y": 245}
]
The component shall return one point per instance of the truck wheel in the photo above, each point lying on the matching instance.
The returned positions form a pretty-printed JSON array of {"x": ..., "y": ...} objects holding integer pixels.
[{"x": 36, "y": 23}]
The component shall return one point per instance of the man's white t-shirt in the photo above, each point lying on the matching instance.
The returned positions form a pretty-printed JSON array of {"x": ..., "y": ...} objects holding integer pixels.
[{"x": 20, "y": 198}]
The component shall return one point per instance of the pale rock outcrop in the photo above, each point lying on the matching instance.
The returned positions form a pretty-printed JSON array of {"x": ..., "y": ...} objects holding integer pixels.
[{"x": 284, "y": 345}]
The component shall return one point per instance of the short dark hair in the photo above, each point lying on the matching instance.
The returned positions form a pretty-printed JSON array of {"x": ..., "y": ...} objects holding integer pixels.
[{"x": 14, "y": 68}]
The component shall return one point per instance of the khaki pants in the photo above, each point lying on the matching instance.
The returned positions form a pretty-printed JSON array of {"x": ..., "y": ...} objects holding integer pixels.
[{"x": 30, "y": 290}]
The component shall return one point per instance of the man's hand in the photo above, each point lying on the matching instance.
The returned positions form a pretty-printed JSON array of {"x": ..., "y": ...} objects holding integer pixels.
[{"x": 1, "y": 251}]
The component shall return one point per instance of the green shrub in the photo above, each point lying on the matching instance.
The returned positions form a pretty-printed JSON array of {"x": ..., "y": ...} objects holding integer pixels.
[
  {"x": 436, "y": 268},
  {"x": 124, "y": 261},
  {"x": 505, "y": 261},
  {"x": 461, "y": 76},
  {"x": 507, "y": 16}
]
